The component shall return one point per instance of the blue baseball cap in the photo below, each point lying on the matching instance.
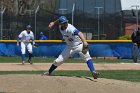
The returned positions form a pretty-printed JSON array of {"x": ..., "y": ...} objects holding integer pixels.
[
  {"x": 62, "y": 19},
  {"x": 28, "y": 27}
]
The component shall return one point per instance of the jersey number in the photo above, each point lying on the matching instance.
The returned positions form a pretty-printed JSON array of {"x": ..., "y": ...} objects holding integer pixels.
[{"x": 70, "y": 39}]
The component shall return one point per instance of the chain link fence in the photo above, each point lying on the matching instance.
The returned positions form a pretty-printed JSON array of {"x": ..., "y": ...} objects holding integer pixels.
[{"x": 108, "y": 22}]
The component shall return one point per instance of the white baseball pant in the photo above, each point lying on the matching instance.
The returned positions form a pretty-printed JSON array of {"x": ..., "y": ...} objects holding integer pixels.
[
  {"x": 69, "y": 51},
  {"x": 23, "y": 47}
]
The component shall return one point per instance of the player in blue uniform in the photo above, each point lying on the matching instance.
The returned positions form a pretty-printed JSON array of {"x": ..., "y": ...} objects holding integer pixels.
[{"x": 42, "y": 36}]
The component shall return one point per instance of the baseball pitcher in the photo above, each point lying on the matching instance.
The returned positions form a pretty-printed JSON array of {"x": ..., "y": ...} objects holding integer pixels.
[
  {"x": 25, "y": 36},
  {"x": 76, "y": 43}
]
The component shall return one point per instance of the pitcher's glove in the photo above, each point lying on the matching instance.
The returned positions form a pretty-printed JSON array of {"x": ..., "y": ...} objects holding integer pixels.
[
  {"x": 35, "y": 45},
  {"x": 85, "y": 49}
]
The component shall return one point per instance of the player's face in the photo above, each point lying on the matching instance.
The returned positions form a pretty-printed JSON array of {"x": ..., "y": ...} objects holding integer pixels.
[
  {"x": 64, "y": 26},
  {"x": 28, "y": 31}
]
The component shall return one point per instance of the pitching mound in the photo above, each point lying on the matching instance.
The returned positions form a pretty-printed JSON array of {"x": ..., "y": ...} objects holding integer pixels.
[{"x": 61, "y": 84}]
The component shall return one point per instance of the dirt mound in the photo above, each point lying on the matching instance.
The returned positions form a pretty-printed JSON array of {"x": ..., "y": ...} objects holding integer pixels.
[{"x": 62, "y": 84}]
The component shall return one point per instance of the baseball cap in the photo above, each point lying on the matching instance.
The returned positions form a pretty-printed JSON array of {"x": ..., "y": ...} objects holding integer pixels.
[
  {"x": 41, "y": 33},
  {"x": 28, "y": 27},
  {"x": 62, "y": 19}
]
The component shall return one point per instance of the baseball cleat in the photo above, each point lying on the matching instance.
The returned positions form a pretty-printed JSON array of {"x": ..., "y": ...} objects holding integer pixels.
[
  {"x": 45, "y": 74},
  {"x": 23, "y": 62},
  {"x": 95, "y": 75},
  {"x": 29, "y": 61},
  {"x": 135, "y": 60}
]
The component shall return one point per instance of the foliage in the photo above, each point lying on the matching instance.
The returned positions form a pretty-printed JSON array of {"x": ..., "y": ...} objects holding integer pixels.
[{"x": 125, "y": 37}]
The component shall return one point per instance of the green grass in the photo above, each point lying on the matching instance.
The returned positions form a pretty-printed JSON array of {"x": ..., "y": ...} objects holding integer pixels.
[
  {"x": 126, "y": 75},
  {"x": 50, "y": 60}
]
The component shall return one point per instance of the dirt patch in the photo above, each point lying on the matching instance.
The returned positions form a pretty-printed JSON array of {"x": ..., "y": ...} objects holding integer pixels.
[
  {"x": 60, "y": 84},
  {"x": 67, "y": 66}
]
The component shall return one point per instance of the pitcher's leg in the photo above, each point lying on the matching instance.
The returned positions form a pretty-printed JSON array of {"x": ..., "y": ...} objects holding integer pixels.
[
  {"x": 90, "y": 65},
  {"x": 62, "y": 57},
  {"x": 86, "y": 57}
]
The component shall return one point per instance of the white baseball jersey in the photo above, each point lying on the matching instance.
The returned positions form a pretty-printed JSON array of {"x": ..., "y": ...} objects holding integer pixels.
[
  {"x": 25, "y": 41},
  {"x": 70, "y": 35},
  {"x": 26, "y": 37}
]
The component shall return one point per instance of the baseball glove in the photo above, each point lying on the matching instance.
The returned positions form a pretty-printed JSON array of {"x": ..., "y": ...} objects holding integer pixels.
[
  {"x": 35, "y": 45},
  {"x": 85, "y": 49}
]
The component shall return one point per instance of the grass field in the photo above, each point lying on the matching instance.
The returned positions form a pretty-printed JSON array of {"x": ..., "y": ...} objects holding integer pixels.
[
  {"x": 127, "y": 75},
  {"x": 50, "y": 60}
]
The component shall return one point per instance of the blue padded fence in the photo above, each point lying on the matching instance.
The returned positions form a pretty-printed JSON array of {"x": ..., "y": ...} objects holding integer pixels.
[{"x": 53, "y": 49}]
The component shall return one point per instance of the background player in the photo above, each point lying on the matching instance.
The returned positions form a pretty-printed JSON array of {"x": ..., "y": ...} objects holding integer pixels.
[
  {"x": 25, "y": 36},
  {"x": 42, "y": 36},
  {"x": 136, "y": 41},
  {"x": 76, "y": 43}
]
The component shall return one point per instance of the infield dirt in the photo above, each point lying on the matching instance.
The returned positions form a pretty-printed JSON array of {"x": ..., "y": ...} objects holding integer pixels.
[
  {"x": 61, "y": 84},
  {"x": 67, "y": 66}
]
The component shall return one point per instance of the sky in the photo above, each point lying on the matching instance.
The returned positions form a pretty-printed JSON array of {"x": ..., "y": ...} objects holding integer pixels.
[{"x": 127, "y": 4}]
